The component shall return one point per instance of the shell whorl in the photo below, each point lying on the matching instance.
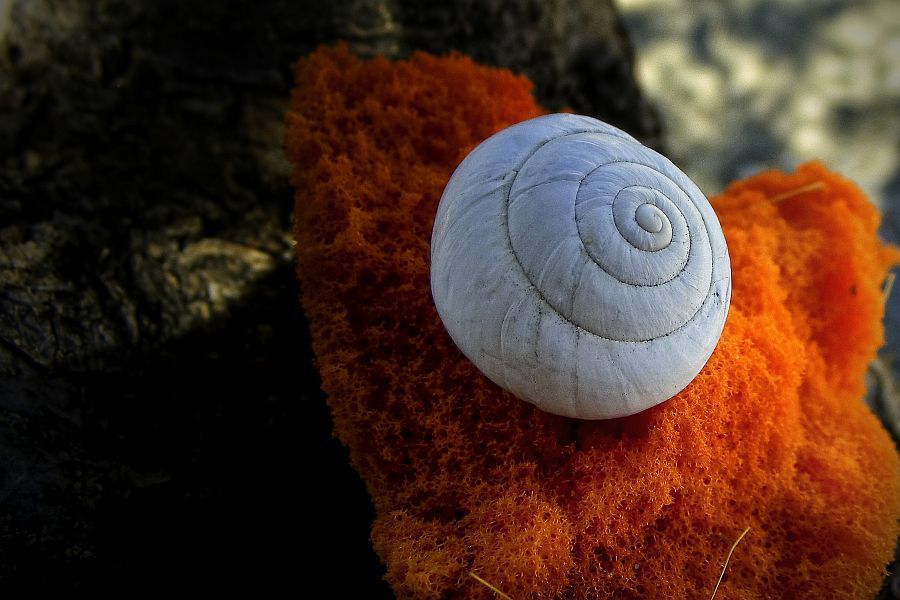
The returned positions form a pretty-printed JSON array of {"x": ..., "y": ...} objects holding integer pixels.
[{"x": 579, "y": 269}]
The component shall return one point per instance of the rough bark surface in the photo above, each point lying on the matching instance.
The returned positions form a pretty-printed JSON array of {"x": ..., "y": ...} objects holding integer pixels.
[{"x": 159, "y": 412}]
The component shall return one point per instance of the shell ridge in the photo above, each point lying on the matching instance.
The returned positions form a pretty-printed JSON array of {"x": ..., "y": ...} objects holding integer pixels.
[
  {"x": 577, "y": 286},
  {"x": 543, "y": 143},
  {"x": 675, "y": 205},
  {"x": 549, "y": 305},
  {"x": 599, "y": 262},
  {"x": 503, "y": 358},
  {"x": 522, "y": 191},
  {"x": 553, "y": 358},
  {"x": 576, "y": 404},
  {"x": 540, "y": 293},
  {"x": 644, "y": 187},
  {"x": 559, "y": 246},
  {"x": 460, "y": 215}
]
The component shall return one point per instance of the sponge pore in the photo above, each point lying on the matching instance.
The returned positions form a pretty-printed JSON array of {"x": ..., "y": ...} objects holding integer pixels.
[{"x": 465, "y": 478}]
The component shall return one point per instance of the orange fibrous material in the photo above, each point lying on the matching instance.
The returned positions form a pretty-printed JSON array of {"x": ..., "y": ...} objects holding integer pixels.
[{"x": 465, "y": 478}]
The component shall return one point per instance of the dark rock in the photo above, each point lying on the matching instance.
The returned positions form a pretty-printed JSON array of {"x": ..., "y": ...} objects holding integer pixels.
[
  {"x": 159, "y": 412},
  {"x": 576, "y": 52}
]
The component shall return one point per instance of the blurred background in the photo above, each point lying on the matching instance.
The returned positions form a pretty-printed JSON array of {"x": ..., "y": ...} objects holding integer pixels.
[{"x": 751, "y": 84}]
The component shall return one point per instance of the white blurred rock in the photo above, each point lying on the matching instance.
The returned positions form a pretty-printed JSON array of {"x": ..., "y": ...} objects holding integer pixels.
[{"x": 753, "y": 83}]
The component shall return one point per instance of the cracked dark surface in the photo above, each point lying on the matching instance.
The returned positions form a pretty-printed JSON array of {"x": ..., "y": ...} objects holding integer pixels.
[{"x": 161, "y": 419}]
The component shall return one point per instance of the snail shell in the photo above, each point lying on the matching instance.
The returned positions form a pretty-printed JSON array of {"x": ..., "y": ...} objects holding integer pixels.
[{"x": 579, "y": 269}]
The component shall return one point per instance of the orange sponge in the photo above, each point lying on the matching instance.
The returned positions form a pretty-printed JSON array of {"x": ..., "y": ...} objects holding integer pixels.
[{"x": 773, "y": 434}]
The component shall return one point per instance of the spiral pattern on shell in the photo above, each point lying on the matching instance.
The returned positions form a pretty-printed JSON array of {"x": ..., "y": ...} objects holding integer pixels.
[{"x": 579, "y": 269}]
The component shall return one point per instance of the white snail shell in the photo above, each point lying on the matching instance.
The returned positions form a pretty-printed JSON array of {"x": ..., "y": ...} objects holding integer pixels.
[{"x": 579, "y": 269}]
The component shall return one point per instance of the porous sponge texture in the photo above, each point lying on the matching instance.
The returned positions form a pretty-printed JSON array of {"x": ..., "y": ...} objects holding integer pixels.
[{"x": 465, "y": 478}]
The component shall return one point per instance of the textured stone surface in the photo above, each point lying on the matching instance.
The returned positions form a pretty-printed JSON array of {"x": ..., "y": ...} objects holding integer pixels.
[{"x": 154, "y": 421}]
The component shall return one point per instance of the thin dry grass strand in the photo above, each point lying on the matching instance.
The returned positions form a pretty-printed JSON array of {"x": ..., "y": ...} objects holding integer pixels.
[
  {"x": 888, "y": 286},
  {"x": 489, "y": 586},
  {"x": 728, "y": 558},
  {"x": 816, "y": 185}
]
